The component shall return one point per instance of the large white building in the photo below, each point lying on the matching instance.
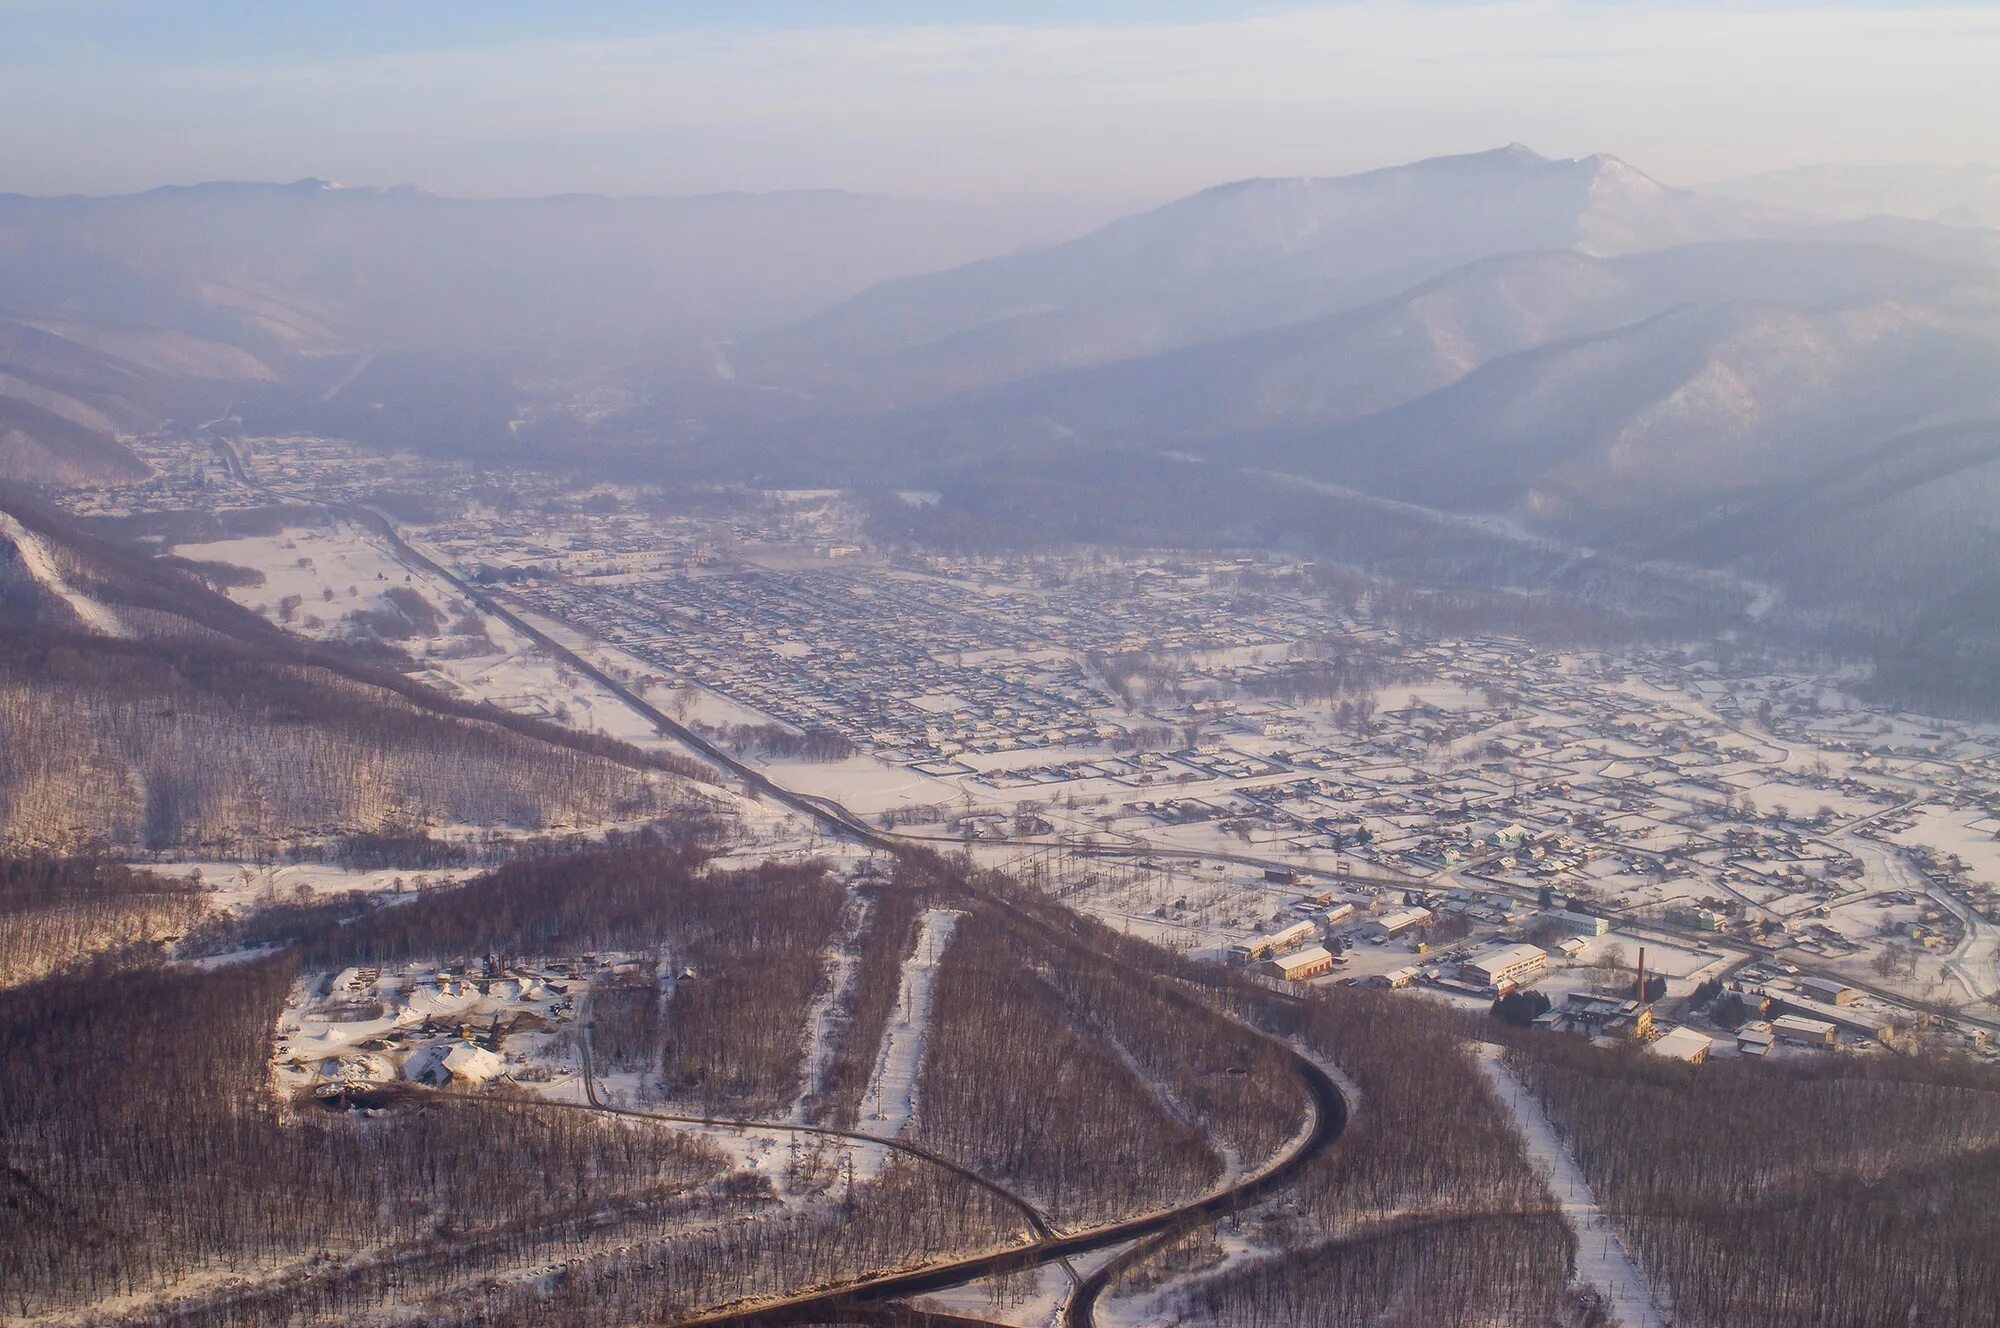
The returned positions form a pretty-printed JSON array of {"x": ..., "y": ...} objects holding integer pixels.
[
  {"x": 1581, "y": 924},
  {"x": 1263, "y": 947},
  {"x": 1508, "y": 966}
]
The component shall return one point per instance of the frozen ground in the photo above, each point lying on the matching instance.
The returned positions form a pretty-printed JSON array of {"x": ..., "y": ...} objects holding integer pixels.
[
  {"x": 1601, "y": 1257},
  {"x": 828, "y": 1007},
  {"x": 892, "y": 1090},
  {"x": 239, "y": 885},
  {"x": 41, "y": 567}
]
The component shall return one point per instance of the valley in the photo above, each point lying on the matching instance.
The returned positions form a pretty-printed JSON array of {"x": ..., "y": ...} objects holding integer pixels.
[{"x": 1408, "y": 748}]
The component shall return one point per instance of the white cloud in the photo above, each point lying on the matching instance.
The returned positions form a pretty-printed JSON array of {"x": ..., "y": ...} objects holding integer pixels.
[{"x": 1130, "y": 110}]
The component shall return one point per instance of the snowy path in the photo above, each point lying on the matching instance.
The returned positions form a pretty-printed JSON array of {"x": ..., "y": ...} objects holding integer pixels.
[
  {"x": 830, "y": 1006},
  {"x": 40, "y": 566},
  {"x": 892, "y": 1089},
  {"x": 1601, "y": 1257}
]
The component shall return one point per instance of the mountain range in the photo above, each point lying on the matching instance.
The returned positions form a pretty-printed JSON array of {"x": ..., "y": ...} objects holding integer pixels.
[
  {"x": 185, "y": 302},
  {"x": 1567, "y": 345}
]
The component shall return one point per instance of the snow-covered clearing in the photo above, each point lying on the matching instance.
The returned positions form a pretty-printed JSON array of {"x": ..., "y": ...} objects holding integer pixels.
[
  {"x": 240, "y": 886},
  {"x": 41, "y": 566},
  {"x": 328, "y": 569},
  {"x": 830, "y": 1006},
  {"x": 1030, "y": 1298},
  {"x": 1601, "y": 1257},
  {"x": 892, "y": 1090}
]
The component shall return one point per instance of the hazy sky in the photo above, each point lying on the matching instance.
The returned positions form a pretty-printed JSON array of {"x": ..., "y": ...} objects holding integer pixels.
[{"x": 1111, "y": 100}]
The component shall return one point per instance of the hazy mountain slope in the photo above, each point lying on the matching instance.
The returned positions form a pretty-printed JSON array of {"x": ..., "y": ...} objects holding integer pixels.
[
  {"x": 38, "y": 446},
  {"x": 1967, "y": 195},
  {"x": 68, "y": 387},
  {"x": 1234, "y": 258},
  {"x": 1898, "y": 548},
  {"x": 1875, "y": 540},
  {"x": 314, "y": 269},
  {"x": 1336, "y": 369},
  {"x": 138, "y": 707},
  {"x": 478, "y": 311},
  {"x": 1653, "y": 422}
]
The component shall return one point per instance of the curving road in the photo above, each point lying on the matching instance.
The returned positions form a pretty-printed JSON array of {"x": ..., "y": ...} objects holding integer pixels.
[
  {"x": 1329, "y": 1119},
  {"x": 1328, "y": 1106},
  {"x": 1037, "y": 1220}
]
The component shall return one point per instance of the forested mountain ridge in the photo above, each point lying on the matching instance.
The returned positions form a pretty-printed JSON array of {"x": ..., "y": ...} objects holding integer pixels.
[{"x": 138, "y": 708}]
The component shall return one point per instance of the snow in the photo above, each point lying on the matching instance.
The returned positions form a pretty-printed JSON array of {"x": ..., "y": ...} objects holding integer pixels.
[
  {"x": 41, "y": 565},
  {"x": 310, "y": 561},
  {"x": 461, "y": 1064},
  {"x": 1601, "y": 1257},
  {"x": 240, "y": 886},
  {"x": 1965, "y": 833},
  {"x": 892, "y": 1090},
  {"x": 844, "y": 967}
]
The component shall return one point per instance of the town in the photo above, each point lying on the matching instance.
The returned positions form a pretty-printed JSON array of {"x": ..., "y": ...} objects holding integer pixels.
[{"x": 1219, "y": 753}]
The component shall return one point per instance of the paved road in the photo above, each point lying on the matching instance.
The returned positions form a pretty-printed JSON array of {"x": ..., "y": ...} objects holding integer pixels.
[{"x": 1329, "y": 1119}]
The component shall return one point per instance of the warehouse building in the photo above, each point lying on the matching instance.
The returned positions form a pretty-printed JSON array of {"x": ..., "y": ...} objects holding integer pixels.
[
  {"x": 1299, "y": 965},
  {"x": 1400, "y": 920},
  {"x": 1263, "y": 947},
  {"x": 1681, "y": 1044},
  {"x": 1503, "y": 969},
  {"x": 1802, "y": 1032},
  {"x": 1827, "y": 989}
]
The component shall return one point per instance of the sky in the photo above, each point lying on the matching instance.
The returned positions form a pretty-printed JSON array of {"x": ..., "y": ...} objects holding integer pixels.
[{"x": 1105, "y": 103}]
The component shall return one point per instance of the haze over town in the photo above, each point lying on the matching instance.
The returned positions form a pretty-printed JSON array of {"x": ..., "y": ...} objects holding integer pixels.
[{"x": 1113, "y": 664}]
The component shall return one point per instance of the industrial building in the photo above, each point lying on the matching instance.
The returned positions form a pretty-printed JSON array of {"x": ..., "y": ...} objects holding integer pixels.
[
  {"x": 1263, "y": 947},
  {"x": 1844, "y": 1018},
  {"x": 1827, "y": 989},
  {"x": 1755, "y": 1039},
  {"x": 1803, "y": 1032},
  {"x": 1608, "y": 1016},
  {"x": 1505, "y": 968},
  {"x": 1400, "y": 920},
  {"x": 1681, "y": 1044},
  {"x": 1299, "y": 965}
]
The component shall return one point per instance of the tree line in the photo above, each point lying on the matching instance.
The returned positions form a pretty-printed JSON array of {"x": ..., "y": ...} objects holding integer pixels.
[
  {"x": 57, "y": 912},
  {"x": 1856, "y": 1191}
]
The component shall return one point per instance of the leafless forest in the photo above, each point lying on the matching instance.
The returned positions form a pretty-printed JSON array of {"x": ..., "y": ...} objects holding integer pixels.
[
  {"x": 134, "y": 745},
  {"x": 1426, "y": 1212},
  {"x": 150, "y": 1163},
  {"x": 57, "y": 912},
  {"x": 145, "y": 1156},
  {"x": 202, "y": 726},
  {"x": 1856, "y": 1192}
]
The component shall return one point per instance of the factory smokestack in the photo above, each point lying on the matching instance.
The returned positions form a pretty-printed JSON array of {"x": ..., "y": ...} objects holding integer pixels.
[{"x": 1639, "y": 991}]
